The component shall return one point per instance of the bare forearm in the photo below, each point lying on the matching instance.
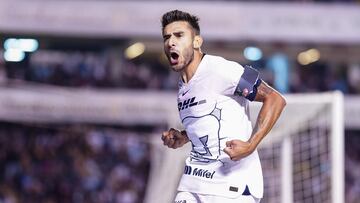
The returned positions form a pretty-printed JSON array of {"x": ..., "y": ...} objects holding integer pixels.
[{"x": 273, "y": 104}]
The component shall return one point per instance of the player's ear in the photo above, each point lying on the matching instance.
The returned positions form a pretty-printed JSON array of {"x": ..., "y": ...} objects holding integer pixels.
[{"x": 198, "y": 40}]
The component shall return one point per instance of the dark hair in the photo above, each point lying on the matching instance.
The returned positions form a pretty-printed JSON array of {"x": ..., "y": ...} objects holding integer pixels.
[{"x": 176, "y": 15}]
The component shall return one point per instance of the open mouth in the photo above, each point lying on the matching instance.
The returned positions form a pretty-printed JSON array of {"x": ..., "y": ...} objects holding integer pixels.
[{"x": 174, "y": 58}]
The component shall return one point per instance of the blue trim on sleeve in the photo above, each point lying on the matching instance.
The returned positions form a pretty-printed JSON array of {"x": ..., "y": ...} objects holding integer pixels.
[
  {"x": 250, "y": 81},
  {"x": 252, "y": 94}
]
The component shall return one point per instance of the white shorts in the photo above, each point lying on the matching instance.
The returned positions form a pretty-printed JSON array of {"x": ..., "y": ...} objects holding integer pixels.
[{"x": 188, "y": 197}]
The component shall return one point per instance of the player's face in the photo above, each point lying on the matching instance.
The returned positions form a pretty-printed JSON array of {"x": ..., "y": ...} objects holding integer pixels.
[{"x": 178, "y": 44}]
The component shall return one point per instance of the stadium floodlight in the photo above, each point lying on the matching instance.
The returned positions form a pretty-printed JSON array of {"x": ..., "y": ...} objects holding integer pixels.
[
  {"x": 309, "y": 56},
  {"x": 29, "y": 45},
  {"x": 25, "y": 45},
  {"x": 134, "y": 50},
  {"x": 252, "y": 53},
  {"x": 14, "y": 55}
]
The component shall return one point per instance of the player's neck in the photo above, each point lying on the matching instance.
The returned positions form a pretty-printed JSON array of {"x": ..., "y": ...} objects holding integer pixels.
[{"x": 190, "y": 70}]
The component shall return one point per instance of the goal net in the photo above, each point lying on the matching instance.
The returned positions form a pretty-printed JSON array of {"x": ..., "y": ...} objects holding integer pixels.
[{"x": 302, "y": 157}]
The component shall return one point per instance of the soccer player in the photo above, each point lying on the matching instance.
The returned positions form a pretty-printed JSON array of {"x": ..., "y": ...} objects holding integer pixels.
[{"x": 213, "y": 103}]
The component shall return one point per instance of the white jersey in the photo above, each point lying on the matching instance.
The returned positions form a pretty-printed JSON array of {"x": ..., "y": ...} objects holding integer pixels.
[{"x": 213, "y": 115}]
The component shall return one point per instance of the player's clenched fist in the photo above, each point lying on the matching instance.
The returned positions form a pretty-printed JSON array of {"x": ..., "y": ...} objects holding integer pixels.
[
  {"x": 238, "y": 149},
  {"x": 174, "y": 138}
]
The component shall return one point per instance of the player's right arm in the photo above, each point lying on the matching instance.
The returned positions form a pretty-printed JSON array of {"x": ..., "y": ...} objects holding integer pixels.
[{"x": 174, "y": 138}]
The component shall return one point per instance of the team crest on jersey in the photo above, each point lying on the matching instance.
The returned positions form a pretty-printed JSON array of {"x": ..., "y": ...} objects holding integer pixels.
[{"x": 190, "y": 103}]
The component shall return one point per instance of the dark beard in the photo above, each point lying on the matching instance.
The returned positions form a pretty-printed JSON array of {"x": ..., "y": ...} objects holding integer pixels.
[{"x": 187, "y": 62}]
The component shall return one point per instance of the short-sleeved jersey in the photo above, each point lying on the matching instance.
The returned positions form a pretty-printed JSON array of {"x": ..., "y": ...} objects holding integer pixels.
[{"x": 212, "y": 115}]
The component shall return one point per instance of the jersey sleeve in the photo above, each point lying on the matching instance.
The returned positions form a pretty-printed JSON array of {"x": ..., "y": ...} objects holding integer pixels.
[
  {"x": 235, "y": 79},
  {"x": 228, "y": 75}
]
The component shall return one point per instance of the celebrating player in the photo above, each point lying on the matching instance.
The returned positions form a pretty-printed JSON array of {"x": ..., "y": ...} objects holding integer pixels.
[{"x": 213, "y": 103}]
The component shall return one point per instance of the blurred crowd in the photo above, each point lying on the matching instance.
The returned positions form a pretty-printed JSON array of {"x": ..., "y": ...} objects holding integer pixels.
[
  {"x": 352, "y": 167},
  {"x": 101, "y": 69},
  {"x": 88, "y": 69},
  {"x": 82, "y": 164}
]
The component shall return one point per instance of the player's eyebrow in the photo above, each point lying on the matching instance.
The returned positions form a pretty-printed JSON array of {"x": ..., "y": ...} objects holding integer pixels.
[
  {"x": 166, "y": 36},
  {"x": 178, "y": 33}
]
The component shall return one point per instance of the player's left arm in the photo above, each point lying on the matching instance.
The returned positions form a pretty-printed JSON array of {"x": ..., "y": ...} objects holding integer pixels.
[{"x": 273, "y": 104}]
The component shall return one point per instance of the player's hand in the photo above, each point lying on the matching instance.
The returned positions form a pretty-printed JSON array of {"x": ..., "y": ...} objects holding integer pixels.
[
  {"x": 238, "y": 149},
  {"x": 174, "y": 138}
]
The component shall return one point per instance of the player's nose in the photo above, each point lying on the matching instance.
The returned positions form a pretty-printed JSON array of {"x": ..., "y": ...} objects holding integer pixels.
[{"x": 171, "y": 42}]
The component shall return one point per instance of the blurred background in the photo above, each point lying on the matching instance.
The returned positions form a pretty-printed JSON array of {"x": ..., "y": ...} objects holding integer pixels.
[{"x": 61, "y": 59}]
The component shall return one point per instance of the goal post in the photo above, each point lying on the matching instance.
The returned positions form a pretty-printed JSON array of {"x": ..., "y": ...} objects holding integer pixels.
[
  {"x": 302, "y": 157},
  {"x": 332, "y": 108},
  {"x": 337, "y": 145}
]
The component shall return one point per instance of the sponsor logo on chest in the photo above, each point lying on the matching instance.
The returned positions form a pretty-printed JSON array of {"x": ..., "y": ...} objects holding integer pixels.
[{"x": 187, "y": 103}]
